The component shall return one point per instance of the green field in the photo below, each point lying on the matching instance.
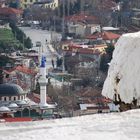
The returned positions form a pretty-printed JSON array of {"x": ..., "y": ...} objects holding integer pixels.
[
  {"x": 8, "y": 41},
  {"x": 6, "y": 35}
]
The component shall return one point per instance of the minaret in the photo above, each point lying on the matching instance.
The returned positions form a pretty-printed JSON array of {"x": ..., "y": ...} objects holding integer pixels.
[{"x": 43, "y": 82}]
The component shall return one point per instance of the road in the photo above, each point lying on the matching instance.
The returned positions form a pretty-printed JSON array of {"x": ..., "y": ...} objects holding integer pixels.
[{"x": 42, "y": 35}]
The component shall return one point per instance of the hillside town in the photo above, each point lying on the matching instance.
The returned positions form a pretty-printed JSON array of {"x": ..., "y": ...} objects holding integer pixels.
[{"x": 55, "y": 55}]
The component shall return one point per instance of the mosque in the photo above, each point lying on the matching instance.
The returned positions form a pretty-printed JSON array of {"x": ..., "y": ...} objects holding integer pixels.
[{"x": 15, "y": 103}]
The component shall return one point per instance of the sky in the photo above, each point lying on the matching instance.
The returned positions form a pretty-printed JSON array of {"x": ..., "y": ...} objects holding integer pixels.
[{"x": 112, "y": 126}]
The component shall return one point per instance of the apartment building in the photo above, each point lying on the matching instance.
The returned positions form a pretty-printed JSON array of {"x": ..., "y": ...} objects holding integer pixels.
[{"x": 41, "y": 3}]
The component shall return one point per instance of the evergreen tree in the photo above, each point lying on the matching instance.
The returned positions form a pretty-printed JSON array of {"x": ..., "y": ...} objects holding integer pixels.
[
  {"x": 13, "y": 4},
  {"x": 28, "y": 43},
  {"x": 1, "y": 77},
  {"x": 106, "y": 58}
]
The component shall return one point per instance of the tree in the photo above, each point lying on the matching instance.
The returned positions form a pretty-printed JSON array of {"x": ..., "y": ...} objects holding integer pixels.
[
  {"x": 28, "y": 43},
  {"x": 1, "y": 77},
  {"x": 13, "y": 5},
  {"x": 20, "y": 35},
  {"x": 59, "y": 62},
  {"x": 4, "y": 60},
  {"x": 109, "y": 51},
  {"x": 37, "y": 90},
  {"x": 106, "y": 58}
]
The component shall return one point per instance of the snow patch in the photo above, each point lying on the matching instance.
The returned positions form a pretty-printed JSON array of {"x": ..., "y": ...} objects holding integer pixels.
[{"x": 112, "y": 126}]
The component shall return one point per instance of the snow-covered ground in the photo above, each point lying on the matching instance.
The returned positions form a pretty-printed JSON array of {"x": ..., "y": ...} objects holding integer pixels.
[
  {"x": 125, "y": 66},
  {"x": 113, "y": 126}
]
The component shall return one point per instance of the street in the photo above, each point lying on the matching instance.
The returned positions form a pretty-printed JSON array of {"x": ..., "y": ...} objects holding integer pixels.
[{"x": 42, "y": 35}]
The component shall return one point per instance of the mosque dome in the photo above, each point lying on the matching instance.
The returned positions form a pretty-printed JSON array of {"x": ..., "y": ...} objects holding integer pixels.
[
  {"x": 13, "y": 105},
  {"x": 4, "y": 109},
  {"x": 10, "y": 90}
]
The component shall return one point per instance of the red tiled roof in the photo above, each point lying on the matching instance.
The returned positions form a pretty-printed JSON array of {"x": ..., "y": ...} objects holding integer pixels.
[
  {"x": 98, "y": 46},
  {"x": 81, "y": 17},
  {"x": 88, "y": 51},
  {"x": 36, "y": 98},
  {"x": 79, "y": 49},
  {"x": 107, "y": 5},
  {"x": 104, "y": 35},
  {"x": 8, "y": 71},
  {"x": 25, "y": 70},
  {"x": 25, "y": 119},
  {"x": 9, "y": 11}
]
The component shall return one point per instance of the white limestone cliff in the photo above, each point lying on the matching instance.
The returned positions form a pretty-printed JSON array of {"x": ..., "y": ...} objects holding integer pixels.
[{"x": 124, "y": 71}]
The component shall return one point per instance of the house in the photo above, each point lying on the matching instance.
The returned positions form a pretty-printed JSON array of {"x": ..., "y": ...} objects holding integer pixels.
[
  {"x": 91, "y": 101},
  {"x": 78, "y": 48},
  {"x": 108, "y": 37},
  {"x": 13, "y": 14},
  {"x": 51, "y": 4},
  {"x": 136, "y": 17},
  {"x": 2, "y": 3},
  {"x": 82, "y": 17},
  {"x": 26, "y": 3},
  {"x": 82, "y": 24},
  {"x": 21, "y": 75},
  {"x": 26, "y": 77},
  {"x": 92, "y": 28},
  {"x": 80, "y": 29}
]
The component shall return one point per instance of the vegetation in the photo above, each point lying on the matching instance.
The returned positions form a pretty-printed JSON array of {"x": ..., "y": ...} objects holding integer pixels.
[
  {"x": 4, "y": 60},
  {"x": 74, "y": 7},
  {"x": 8, "y": 42},
  {"x": 19, "y": 35},
  {"x": 106, "y": 58},
  {"x": 1, "y": 76},
  {"x": 13, "y": 4}
]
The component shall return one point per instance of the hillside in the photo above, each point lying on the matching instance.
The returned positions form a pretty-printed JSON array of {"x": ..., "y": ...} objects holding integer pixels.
[{"x": 8, "y": 41}]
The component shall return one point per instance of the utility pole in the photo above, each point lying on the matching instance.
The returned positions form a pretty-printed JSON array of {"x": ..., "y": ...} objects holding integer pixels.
[
  {"x": 54, "y": 23},
  {"x": 23, "y": 42},
  {"x": 15, "y": 35},
  {"x": 81, "y": 5},
  {"x": 63, "y": 20},
  {"x": 63, "y": 64},
  {"x": 68, "y": 12}
]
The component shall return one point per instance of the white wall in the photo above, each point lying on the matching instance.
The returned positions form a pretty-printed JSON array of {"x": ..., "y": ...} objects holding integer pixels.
[{"x": 80, "y": 30}]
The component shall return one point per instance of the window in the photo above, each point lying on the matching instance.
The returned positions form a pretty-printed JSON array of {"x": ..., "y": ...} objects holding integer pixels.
[
  {"x": 10, "y": 98},
  {"x": 22, "y": 97},
  {"x": 65, "y": 47},
  {"x": 31, "y": 0},
  {"x": 25, "y": 5},
  {"x": 5, "y": 99},
  {"x": 25, "y": 0},
  {"x": 14, "y": 98}
]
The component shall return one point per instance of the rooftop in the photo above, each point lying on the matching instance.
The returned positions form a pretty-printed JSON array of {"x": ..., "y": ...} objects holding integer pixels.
[
  {"x": 10, "y": 90},
  {"x": 104, "y": 35},
  {"x": 9, "y": 11}
]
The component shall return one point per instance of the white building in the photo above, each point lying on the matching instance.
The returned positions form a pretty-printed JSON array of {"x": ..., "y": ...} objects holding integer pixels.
[{"x": 81, "y": 29}]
